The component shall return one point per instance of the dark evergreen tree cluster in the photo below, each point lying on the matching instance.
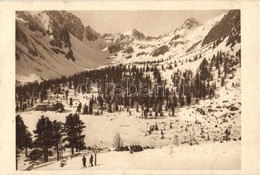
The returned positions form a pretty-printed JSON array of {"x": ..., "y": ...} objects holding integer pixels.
[
  {"x": 50, "y": 135},
  {"x": 23, "y": 136},
  {"x": 186, "y": 86},
  {"x": 73, "y": 129}
]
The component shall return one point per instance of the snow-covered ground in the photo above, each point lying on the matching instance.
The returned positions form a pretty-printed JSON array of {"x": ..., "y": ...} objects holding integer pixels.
[
  {"x": 212, "y": 152},
  {"x": 134, "y": 129},
  {"x": 210, "y": 156},
  {"x": 189, "y": 123},
  {"x": 201, "y": 125}
]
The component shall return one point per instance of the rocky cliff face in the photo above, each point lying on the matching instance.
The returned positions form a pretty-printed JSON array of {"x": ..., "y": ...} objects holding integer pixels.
[
  {"x": 91, "y": 34},
  {"x": 49, "y": 27},
  {"x": 229, "y": 26}
]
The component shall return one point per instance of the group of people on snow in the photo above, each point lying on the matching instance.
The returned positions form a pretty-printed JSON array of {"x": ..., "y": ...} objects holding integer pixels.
[{"x": 84, "y": 160}]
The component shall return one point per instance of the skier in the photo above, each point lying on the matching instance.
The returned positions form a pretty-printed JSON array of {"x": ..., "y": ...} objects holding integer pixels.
[
  {"x": 91, "y": 160},
  {"x": 84, "y": 162}
]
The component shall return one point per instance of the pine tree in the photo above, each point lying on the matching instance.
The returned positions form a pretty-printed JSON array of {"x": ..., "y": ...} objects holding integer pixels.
[
  {"x": 211, "y": 92},
  {"x": 79, "y": 107},
  {"x": 116, "y": 104},
  {"x": 57, "y": 135},
  {"x": 71, "y": 101},
  {"x": 85, "y": 109},
  {"x": 132, "y": 102},
  {"x": 174, "y": 104},
  {"x": 20, "y": 132},
  {"x": 73, "y": 129},
  {"x": 217, "y": 62},
  {"x": 100, "y": 101},
  {"x": 188, "y": 99},
  {"x": 28, "y": 142},
  {"x": 220, "y": 58},
  {"x": 44, "y": 135},
  {"x": 109, "y": 108},
  {"x": 126, "y": 101},
  {"x": 23, "y": 136},
  {"x": 182, "y": 101},
  {"x": 91, "y": 106},
  {"x": 67, "y": 94},
  {"x": 222, "y": 81}
]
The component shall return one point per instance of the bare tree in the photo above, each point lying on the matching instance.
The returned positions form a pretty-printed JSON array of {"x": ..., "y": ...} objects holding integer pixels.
[{"x": 118, "y": 142}]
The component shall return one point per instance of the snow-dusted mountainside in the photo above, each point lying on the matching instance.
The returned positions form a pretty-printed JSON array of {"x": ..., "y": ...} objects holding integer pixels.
[
  {"x": 229, "y": 26},
  {"x": 52, "y": 44},
  {"x": 182, "y": 41},
  {"x": 194, "y": 114}
]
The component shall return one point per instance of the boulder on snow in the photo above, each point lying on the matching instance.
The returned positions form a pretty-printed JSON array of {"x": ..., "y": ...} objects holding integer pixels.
[
  {"x": 233, "y": 108},
  {"x": 224, "y": 120},
  {"x": 210, "y": 110}
]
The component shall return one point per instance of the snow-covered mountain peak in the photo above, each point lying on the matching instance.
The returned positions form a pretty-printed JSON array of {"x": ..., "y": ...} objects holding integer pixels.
[
  {"x": 57, "y": 28},
  {"x": 135, "y": 34},
  {"x": 130, "y": 31},
  {"x": 191, "y": 21},
  {"x": 189, "y": 24},
  {"x": 189, "y": 33}
]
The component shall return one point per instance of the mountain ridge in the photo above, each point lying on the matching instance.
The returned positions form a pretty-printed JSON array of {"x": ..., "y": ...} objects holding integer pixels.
[{"x": 45, "y": 38}]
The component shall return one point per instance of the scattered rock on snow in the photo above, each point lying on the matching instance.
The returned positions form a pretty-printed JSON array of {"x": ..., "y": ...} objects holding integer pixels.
[{"x": 233, "y": 108}]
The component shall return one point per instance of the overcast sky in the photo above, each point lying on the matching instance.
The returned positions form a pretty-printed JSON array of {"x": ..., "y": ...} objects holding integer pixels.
[{"x": 153, "y": 23}]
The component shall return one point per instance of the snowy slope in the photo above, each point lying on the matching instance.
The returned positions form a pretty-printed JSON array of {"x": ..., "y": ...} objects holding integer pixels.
[
  {"x": 204, "y": 122},
  {"x": 37, "y": 40},
  {"x": 51, "y": 44},
  {"x": 185, "y": 41},
  {"x": 211, "y": 156},
  {"x": 86, "y": 56}
]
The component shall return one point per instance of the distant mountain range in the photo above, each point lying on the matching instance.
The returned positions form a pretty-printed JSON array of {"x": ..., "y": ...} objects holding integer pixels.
[{"x": 51, "y": 44}]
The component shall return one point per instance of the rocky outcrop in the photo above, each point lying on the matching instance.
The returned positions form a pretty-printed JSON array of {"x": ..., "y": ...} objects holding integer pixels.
[
  {"x": 160, "y": 51},
  {"x": 228, "y": 26},
  {"x": 91, "y": 34}
]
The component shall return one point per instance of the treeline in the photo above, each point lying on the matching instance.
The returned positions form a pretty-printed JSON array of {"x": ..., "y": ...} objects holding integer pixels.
[
  {"x": 186, "y": 86},
  {"x": 29, "y": 93}
]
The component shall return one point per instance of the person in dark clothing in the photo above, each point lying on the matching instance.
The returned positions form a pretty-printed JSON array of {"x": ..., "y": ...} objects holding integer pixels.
[
  {"x": 84, "y": 162},
  {"x": 91, "y": 160}
]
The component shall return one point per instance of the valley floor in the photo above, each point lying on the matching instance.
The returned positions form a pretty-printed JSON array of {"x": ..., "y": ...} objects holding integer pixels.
[
  {"x": 166, "y": 155},
  {"x": 210, "y": 156},
  {"x": 204, "y": 123}
]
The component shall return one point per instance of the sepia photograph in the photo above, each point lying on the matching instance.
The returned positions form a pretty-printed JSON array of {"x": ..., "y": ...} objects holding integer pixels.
[{"x": 128, "y": 90}]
